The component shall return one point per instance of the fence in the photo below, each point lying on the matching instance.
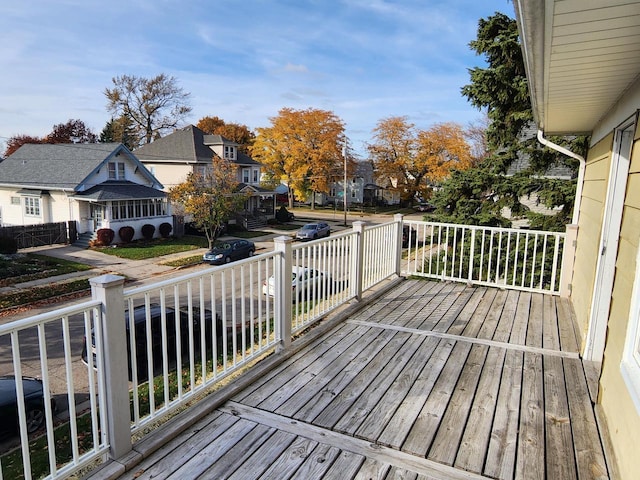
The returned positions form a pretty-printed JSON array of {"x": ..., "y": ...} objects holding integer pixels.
[{"x": 44, "y": 234}]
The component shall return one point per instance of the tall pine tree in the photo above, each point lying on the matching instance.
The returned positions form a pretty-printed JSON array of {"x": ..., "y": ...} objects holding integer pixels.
[{"x": 479, "y": 195}]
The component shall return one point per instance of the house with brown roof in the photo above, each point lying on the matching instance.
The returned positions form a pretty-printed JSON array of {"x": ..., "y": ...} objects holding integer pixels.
[
  {"x": 190, "y": 150},
  {"x": 583, "y": 67}
]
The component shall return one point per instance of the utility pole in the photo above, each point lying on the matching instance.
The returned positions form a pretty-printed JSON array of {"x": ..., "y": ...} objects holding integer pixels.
[{"x": 344, "y": 191}]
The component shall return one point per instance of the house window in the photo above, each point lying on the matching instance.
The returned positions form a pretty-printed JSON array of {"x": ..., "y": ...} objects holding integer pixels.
[
  {"x": 229, "y": 152},
  {"x": 15, "y": 200},
  {"x": 116, "y": 170},
  {"x": 630, "y": 366},
  {"x": 256, "y": 175},
  {"x": 32, "y": 206},
  {"x": 245, "y": 175}
]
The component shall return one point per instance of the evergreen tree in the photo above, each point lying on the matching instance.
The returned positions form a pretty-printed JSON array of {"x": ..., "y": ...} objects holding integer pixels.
[{"x": 479, "y": 195}]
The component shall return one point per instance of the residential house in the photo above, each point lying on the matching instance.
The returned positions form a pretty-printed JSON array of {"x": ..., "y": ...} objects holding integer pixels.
[
  {"x": 362, "y": 189},
  {"x": 97, "y": 185},
  {"x": 583, "y": 66},
  {"x": 190, "y": 150}
]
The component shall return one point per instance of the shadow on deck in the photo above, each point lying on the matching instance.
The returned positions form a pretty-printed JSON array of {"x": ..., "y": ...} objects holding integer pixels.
[{"x": 429, "y": 381}]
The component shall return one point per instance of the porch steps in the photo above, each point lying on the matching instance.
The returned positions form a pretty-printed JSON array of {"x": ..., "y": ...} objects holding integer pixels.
[{"x": 84, "y": 239}]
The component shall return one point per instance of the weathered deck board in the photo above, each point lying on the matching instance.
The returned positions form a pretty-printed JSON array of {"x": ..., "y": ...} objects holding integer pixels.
[{"x": 432, "y": 381}]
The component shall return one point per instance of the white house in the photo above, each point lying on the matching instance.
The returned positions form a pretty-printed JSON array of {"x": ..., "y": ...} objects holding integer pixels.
[
  {"x": 97, "y": 185},
  {"x": 190, "y": 150}
]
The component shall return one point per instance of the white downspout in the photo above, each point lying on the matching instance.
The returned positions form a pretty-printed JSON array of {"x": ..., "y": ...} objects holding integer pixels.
[
  {"x": 583, "y": 163},
  {"x": 569, "y": 252}
]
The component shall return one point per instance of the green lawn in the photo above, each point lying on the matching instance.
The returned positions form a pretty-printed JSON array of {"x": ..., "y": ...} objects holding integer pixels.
[
  {"x": 21, "y": 267},
  {"x": 141, "y": 250}
]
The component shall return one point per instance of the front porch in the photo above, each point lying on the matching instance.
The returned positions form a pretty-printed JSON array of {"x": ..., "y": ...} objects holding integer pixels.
[{"x": 433, "y": 380}]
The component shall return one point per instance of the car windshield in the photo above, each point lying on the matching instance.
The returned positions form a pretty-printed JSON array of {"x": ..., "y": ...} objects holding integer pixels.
[
  {"x": 309, "y": 227},
  {"x": 221, "y": 246}
]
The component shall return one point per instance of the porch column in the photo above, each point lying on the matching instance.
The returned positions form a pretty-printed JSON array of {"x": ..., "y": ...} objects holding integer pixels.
[
  {"x": 568, "y": 257},
  {"x": 358, "y": 258},
  {"x": 108, "y": 290},
  {"x": 398, "y": 251},
  {"x": 283, "y": 296}
]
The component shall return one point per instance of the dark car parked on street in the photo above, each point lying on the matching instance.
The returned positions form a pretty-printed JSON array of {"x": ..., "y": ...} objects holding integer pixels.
[
  {"x": 227, "y": 251},
  {"x": 33, "y": 403},
  {"x": 155, "y": 314}
]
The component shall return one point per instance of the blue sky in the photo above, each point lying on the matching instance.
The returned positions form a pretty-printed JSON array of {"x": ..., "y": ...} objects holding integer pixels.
[{"x": 242, "y": 60}]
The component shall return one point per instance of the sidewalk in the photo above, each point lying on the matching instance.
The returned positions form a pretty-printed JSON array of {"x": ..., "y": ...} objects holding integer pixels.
[{"x": 138, "y": 272}]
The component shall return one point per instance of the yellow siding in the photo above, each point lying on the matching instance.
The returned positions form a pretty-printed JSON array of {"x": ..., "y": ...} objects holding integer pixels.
[
  {"x": 589, "y": 229},
  {"x": 617, "y": 405}
]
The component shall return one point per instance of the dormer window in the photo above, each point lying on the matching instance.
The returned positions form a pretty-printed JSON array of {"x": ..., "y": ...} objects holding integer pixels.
[
  {"x": 229, "y": 152},
  {"x": 116, "y": 171}
]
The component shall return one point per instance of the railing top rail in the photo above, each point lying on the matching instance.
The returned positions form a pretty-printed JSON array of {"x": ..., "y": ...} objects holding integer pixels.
[
  {"x": 483, "y": 227},
  {"x": 35, "y": 320},
  {"x": 345, "y": 233},
  {"x": 191, "y": 276}
]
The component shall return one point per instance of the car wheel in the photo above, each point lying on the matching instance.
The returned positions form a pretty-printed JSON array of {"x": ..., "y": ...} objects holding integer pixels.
[
  {"x": 227, "y": 259},
  {"x": 35, "y": 419},
  {"x": 315, "y": 236},
  {"x": 251, "y": 252}
]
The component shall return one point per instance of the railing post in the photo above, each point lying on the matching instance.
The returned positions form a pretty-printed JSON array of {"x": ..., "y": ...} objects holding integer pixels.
[
  {"x": 283, "y": 298},
  {"x": 568, "y": 256},
  {"x": 358, "y": 258},
  {"x": 108, "y": 290},
  {"x": 398, "y": 218}
]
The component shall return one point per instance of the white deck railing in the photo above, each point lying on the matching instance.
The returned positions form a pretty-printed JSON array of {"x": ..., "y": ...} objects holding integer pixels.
[
  {"x": 188, "y": 333},
  {"x": 502, "y": 257}
]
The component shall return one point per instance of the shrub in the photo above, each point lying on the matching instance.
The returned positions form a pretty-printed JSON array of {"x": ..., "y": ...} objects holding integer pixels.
[
  {"x": 126, "y": 234},
  {"x": 165, "y": 229},
  {"x": 148, "y": 230},
  {"x": 105, "y": 236},
  {"x": 8, "y": 245}
]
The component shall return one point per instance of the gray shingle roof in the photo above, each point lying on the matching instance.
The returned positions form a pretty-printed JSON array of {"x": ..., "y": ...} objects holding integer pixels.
[
  {"x": 63, "y": 165},
  {"x": 183, "y": 145},
  {"x": 188, "y": 145},
  {"x": 119, "y": 190}
]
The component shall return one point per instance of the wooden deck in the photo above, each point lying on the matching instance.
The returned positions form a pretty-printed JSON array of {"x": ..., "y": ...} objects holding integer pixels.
[{"x": 431, "y": 381}]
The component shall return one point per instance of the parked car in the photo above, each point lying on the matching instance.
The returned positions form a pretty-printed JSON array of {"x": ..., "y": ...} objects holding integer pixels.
[
  {"x": 305, "y": 282},
  {"x": 311, "y": 231},
  {"x": 155, "y": 313},
  {"x": 424, "y": 207},
  {"x": 228, "y": 251},
  {"x": 33, "y": 402}
]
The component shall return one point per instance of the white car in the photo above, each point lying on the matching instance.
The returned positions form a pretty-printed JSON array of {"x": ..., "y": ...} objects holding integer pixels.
[{"x": 305, "y": 283}]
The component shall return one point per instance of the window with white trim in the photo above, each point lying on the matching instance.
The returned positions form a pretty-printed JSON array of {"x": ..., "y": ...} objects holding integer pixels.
[
  {"x": 229, "y": 152},
  {"x": 15, "y": 201},
  {"x": 116, "y": 170},
  {"x": 630, "y": 366},
  {"x": 32, "y": 206},
  {"x": 245, "y": 175},
  {"x": 256, "y": 175}
]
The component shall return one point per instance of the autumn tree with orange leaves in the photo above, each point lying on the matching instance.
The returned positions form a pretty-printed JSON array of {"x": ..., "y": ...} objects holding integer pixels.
[
  {"x": 209, "y": 199},
  {"x": 412, "y": 160},
  {"x": 303, "y": 148},
  {"x": 236, "y": 132}
]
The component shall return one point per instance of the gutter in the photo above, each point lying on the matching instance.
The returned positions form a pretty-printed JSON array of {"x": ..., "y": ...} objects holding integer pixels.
[{"x": 581, "y": 169}]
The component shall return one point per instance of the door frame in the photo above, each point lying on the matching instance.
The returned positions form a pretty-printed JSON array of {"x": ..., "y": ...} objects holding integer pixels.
[{"x": 609, "y": 239}]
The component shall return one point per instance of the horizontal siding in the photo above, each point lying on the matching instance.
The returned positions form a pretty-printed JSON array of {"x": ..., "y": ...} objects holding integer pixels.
[
  {"x": 622, "y": 417},
  {"x": 589, "y": 230}
]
